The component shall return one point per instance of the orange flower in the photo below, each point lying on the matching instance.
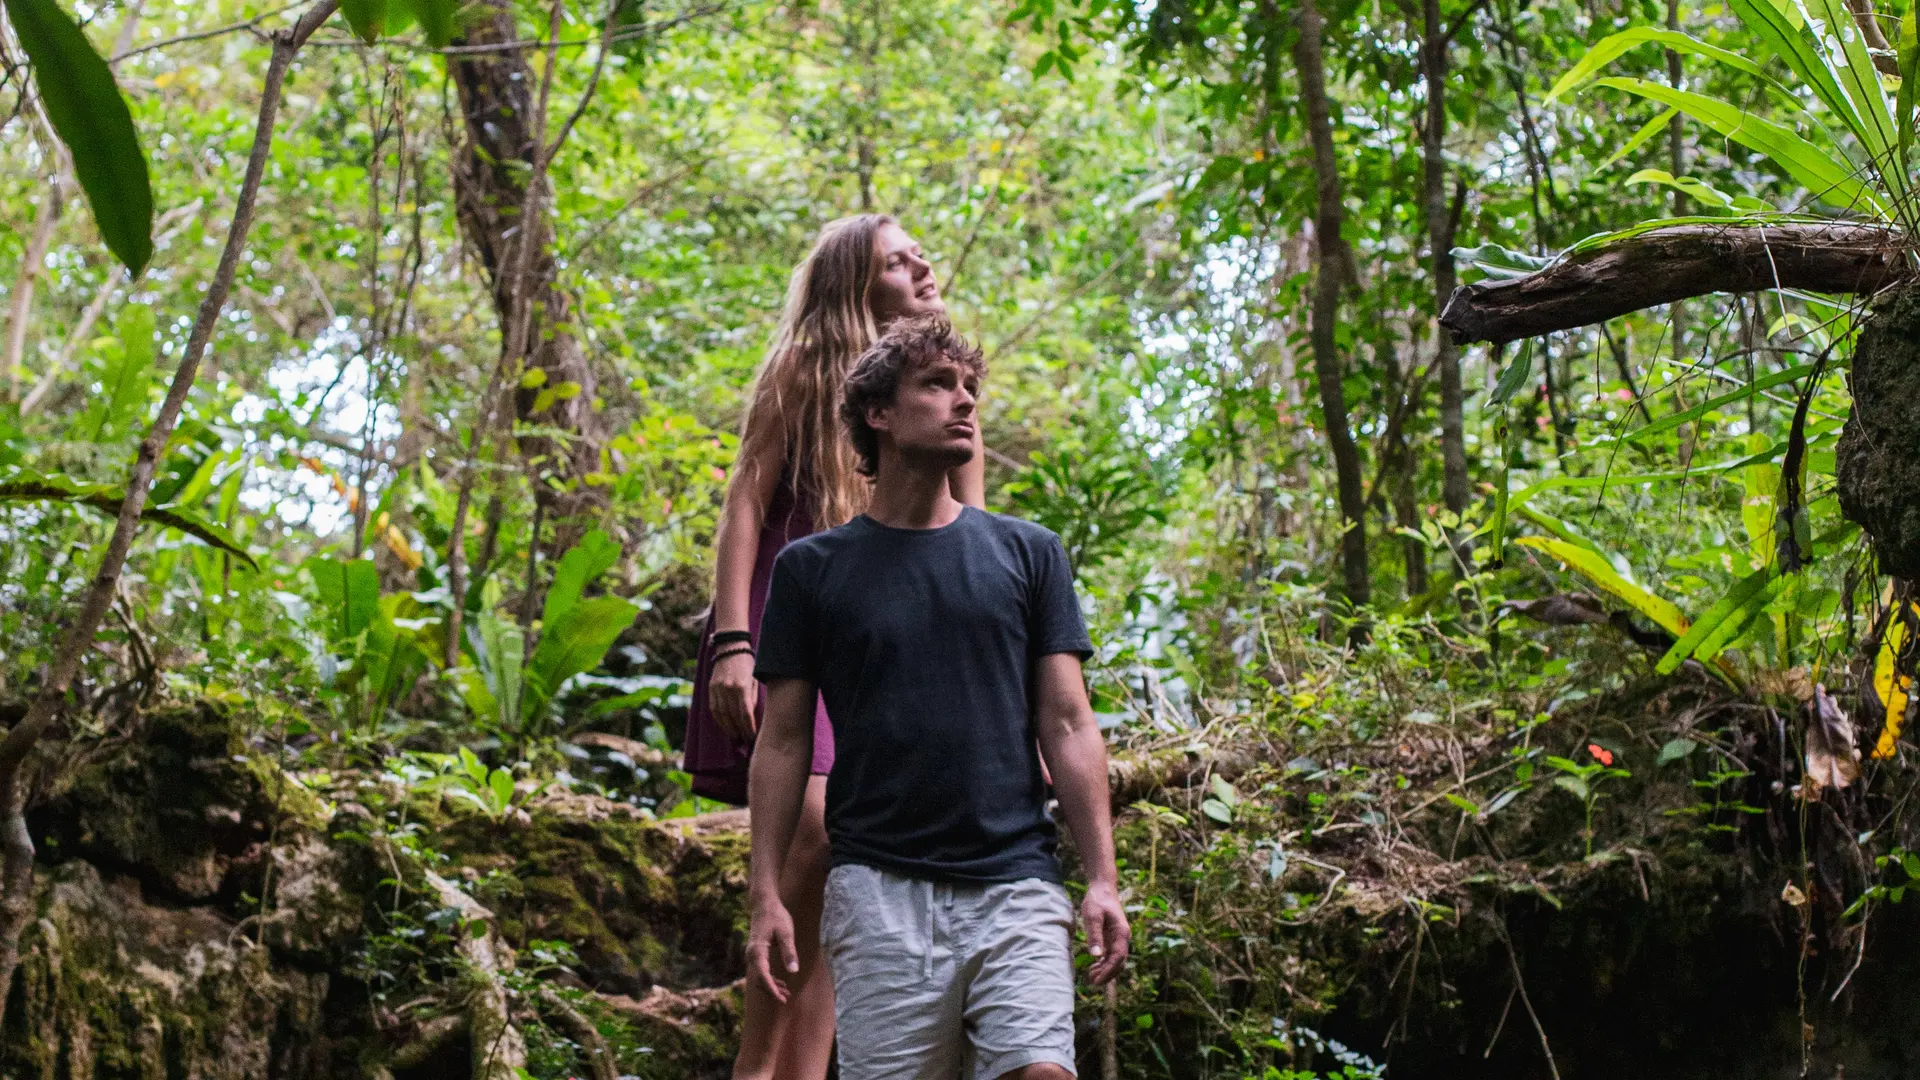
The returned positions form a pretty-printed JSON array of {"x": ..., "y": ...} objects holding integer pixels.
[{"x": 1600, "y": 753}]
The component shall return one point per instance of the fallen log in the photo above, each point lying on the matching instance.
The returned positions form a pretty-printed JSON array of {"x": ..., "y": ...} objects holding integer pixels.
[{"x": 1675, "y": 263}]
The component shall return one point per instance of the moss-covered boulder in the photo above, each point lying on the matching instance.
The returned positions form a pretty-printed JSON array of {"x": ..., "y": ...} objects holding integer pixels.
[
  {"x": 1878, "y": 458},
  {"x": 645, "y": 904},
  {"x": 112, "y": 985}
]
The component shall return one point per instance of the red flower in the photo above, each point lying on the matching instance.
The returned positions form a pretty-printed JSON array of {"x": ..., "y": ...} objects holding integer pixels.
[{"x": 1600, "y": 753}]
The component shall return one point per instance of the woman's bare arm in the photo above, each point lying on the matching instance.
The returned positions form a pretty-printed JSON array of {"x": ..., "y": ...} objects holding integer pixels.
[
  {"x": 737, "y": 540},
  {"x": 731, "y": 689}
]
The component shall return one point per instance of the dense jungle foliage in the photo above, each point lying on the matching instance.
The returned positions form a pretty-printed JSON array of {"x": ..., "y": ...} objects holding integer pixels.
[{"x": 1521, "y": 696}]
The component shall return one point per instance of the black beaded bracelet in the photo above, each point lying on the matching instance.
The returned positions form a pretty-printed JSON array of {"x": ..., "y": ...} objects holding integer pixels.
[
  {"x": 719, "y": 656},
  {"x": 732, "y": 637}
]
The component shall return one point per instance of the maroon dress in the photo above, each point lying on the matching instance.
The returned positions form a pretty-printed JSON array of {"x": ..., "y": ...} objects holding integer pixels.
[{"x": 716, "y": 761}]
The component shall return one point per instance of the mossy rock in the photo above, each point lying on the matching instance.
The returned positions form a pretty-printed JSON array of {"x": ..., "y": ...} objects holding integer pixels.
[
  {"x": 113, "y": 986},
  {"x": 1878, "y": 458},
  {"x": 187, "y": 808},
  {"x": 644, "y": 904}
]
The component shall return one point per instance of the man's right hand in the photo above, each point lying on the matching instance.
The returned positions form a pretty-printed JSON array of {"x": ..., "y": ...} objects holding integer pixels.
[
  {"x": 732, "y": 693},
  {"x": 770, "y": 946}
]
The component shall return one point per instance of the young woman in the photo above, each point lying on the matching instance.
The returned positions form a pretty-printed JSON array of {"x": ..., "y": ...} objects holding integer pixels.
[{"x": 796, "y": 473}]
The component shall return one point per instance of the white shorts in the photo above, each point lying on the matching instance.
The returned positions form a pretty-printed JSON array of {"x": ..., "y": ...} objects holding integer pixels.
[{"x": 933, "y": 981}]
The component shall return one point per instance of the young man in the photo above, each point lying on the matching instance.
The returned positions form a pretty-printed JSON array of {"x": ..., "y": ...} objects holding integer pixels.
[{"x": 947, "y": 641}]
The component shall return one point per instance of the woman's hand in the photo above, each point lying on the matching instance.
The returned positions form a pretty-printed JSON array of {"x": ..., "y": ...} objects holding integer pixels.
[{"x": 732, "y": 693}]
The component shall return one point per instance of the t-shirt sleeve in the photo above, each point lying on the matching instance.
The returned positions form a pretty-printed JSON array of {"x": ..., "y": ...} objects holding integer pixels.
[
  {"x": 1056, "y": 623},
  {"x": 786, "y": 647}
]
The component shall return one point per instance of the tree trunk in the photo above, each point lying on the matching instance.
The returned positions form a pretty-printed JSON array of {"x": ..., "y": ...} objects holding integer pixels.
[
  {"x": 32, "y": 261},
  {"x": 490, "y": 176},
  {"x": 1309, "y": 58},
  {"x": 1440, "y": 228},
  {"x": 1674, "y": 263}
]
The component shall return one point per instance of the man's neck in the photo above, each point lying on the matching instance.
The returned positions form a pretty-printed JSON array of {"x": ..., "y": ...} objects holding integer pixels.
[{"x": 912, "y": 495}]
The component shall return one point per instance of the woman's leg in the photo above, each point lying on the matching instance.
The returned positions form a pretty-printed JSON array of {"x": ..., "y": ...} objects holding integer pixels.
[
  {"x": 795, "y": 1042},
  {"x": 805, "y": 1041}
]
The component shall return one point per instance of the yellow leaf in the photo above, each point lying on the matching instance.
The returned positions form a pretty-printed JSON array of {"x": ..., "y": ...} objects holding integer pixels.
[
  {"x": 397, "y": 543},
  {"x": 1894, "y": 689},
  {"x": 1595, "y": 568}
]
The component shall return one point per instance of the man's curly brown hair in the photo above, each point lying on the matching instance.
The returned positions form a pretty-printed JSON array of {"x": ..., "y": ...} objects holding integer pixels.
[{"x": 875, "y": 380}]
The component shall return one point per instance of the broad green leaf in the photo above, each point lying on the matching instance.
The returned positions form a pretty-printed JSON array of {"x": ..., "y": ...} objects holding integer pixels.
[
  {"x": 1572, "y": 785},
  {"x": 1647, "y": 131},
  {"x": 392, "y": 654},
  {"x": 1780, "y": 26},
  {"x": 475, "y": 692},
  {"x": 1500, "y": 262},
  {"x": 1903, "y": 116},
  {"x": 85, "y": 107},
  {"x": 1674, "y": 420},
  {"x": 1722, "y": 637},
  {"x": 574, "y": 643},
  {"x": 582, "y": 563},
  {"x": 1736, "y": 600},
  {"x": 20, "y": 486},
  {"x": 1555, "y": 526},
  {"x": 1464, "y": 804},
  {"x": 500, "y": 649},
  {"x": 1608, "y": 49},
  {"x": 1830, "y": 180},
  {"x": 500, "y": 784},
  {"x": 1757, "y": 509},
  {"x": 367, "y": 17},
  {"x": 1675, "y": 750},
  {"x": 437, "y": 19},
  {"x": 1224, "y": 791},
  {"x": 1758, "y": 219},
  {"x": 1217, "y": 810},
  {"x": 1514, "y": 377},
  {"x": 1853, "y": 68},
  {"x": 350, "y": 588},
  {"x": 1698, "y": 190},
  {"x": 1597, "y": 570},
  {"x": 128, "y": 374}
]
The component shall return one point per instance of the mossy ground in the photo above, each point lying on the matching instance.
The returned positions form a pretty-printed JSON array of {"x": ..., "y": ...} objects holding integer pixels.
[{"x": 1341, "y": 890}]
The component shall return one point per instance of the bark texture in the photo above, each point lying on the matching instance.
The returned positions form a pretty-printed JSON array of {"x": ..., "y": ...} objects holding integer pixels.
[
  {"x": 491, "y": 174},
  {"x": 1670, "y": 264},
  {"x": 1329, "y": 216},
  {"x": 1441, "y": 224},
  {"x": 1878, "y": 459}
]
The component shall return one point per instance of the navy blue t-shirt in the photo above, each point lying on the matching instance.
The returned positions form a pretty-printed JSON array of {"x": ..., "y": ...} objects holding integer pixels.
[{"x": 923, "y": 643}]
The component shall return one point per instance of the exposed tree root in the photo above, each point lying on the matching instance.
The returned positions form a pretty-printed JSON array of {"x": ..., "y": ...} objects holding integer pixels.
[
  {"x": 1674, "y": 263},
  {"x": 598, "y": 1054},
  {"x": 498, "y": 1048}
]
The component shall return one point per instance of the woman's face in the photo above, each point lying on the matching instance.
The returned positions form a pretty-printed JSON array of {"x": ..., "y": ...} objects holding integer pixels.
[{"x": 905, "y": 286}]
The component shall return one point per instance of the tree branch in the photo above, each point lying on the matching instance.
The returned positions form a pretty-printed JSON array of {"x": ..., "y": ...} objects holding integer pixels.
[
  {"x": 16, "y": 903},
  {"x": 1675, "y": 263}
]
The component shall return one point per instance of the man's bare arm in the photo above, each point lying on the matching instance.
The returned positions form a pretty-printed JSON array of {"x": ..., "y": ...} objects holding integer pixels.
[
  {"x": 776, "y": 786},
  {"x": 1076, "y": 755}
]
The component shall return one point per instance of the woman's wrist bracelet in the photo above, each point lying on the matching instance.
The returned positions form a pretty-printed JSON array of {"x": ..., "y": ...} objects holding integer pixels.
[
  {"x": 732, "y": 637},
  {"x": 728, "y": 653}
]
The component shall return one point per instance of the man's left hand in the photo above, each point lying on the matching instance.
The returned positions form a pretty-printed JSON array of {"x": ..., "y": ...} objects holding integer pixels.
[{"x": 1108, "y": 934}]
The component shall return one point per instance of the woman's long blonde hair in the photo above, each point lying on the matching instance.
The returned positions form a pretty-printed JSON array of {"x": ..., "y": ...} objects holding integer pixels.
[{"x": 824, "y": 326}]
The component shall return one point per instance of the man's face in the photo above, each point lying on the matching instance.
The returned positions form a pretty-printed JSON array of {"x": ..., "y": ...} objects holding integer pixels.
[
  {"x": 932, "y": 415},
  {"x": 905, "y": 286}
]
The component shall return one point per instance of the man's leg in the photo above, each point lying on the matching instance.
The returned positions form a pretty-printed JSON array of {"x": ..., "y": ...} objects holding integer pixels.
[
  {"x": 795, "y": 1041},
  {"x": 896, "y": 990},
  {"x": 1019, "y": 1011},
  {"x": 1047, "y": 1071}
]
